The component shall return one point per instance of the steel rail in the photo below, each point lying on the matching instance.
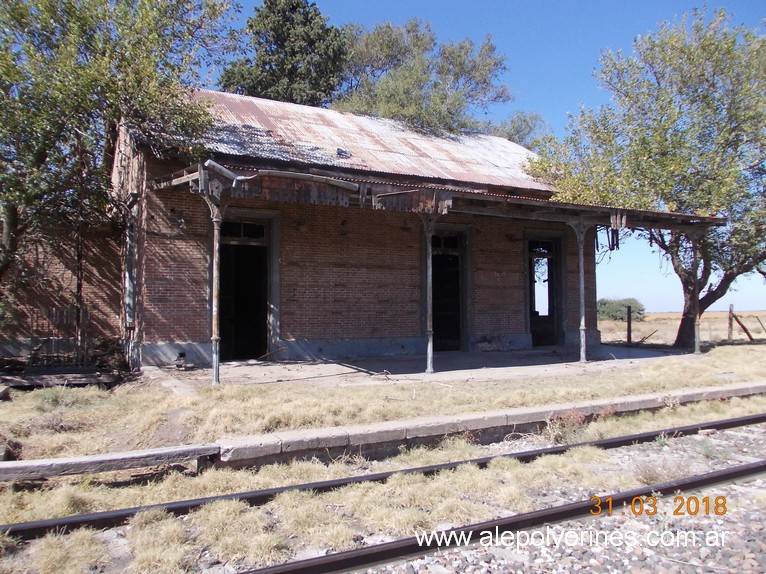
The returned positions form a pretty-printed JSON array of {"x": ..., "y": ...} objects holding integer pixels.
[
  {"x": 391, "y": 551},
  {"x": 111, "y": 518}
]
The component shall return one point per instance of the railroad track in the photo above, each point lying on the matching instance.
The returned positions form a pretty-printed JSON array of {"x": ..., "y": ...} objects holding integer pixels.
[
  {"x": 109, "y": 519},
  {"x": 399, "y": 549}
]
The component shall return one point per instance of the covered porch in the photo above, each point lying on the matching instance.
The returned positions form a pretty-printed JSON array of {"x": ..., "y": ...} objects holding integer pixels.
[{"x": 220, "y": 185}]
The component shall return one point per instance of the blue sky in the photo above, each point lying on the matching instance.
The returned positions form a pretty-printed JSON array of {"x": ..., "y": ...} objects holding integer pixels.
[{"x": 552, "y": 48}]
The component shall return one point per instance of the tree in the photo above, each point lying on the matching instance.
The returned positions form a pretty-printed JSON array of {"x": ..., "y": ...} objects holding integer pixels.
[
  {"x": 523, "y": 128},
  {"x": 297, "y": 57},
  {"x": 617, "y": 309},
  {"x": 686, "y": 132},
  {"x": 72, "y": 71},
  {"x": 404, "y": 74}
]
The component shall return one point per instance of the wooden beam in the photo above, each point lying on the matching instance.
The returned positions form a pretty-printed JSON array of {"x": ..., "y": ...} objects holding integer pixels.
[
  {"x": 424, "y": 201},
  {"x": 59, "y": 380},
  {"x": 309, "y": 177},
  {"x": 44, "y": 468},
  {"x": 180, "y": 177},
  {"x": 509, "y": 213},
  {"x": 528, "y": 210}
]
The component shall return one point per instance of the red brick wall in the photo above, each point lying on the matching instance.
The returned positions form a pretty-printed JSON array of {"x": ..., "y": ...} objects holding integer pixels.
[
  {"x": 49, "y": 282},
  {"x": 349, "y": 273},
  {"x": 345, "y": 272},
  {"x": 176, "y": 269},
  {"x": 499, "y": 276}
]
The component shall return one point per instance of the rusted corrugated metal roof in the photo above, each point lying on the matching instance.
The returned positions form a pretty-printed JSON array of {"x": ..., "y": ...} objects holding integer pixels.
[{"x": 266, "y": 129}]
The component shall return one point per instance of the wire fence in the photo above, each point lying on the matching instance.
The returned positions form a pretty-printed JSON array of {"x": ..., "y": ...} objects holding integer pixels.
[{"x": 62, "y": 337}]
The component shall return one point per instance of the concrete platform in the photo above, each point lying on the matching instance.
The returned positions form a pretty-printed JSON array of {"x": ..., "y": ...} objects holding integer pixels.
[
  {"x": 449, "y": 367},
  {"x": 384, "y": 439}
]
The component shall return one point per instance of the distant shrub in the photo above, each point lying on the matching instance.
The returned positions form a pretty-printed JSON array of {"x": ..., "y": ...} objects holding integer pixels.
[{"x": 616, "y": 309}]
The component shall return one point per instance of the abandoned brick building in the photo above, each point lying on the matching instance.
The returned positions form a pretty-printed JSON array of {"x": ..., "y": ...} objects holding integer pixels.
[{"x": 310, "y": 233}]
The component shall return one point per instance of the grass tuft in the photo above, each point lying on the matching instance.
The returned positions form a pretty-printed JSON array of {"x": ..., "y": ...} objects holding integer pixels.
[
  {"x": 77, "y": 552},
  {"x": 234, "y": 532},
  {"x": 160, "y": 544}
]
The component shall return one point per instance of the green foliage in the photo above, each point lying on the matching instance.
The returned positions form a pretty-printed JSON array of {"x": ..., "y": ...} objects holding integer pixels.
[
  {"x": 616, "y": 309},
  {"x": 297, "y": 57},
  {"x": 72, "y": 71},
  {"x": 398, "y": 72},
  {"x": 686, "y": 133},
  {"x": 523, "y": 128},
  {"x": 404, "y": 74}
]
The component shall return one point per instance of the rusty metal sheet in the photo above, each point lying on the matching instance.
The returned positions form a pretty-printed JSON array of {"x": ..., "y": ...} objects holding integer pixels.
[{"x": 266, "y": 129}]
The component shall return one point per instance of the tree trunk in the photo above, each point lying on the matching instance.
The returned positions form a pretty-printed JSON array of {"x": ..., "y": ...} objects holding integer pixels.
[
  {"x": 9, "y": 240},
  {"x": 685, "y": 335}
]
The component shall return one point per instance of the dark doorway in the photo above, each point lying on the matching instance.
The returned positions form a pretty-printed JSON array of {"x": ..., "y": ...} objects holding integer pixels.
[
  {"x": 447, "y": 298},
  {"x": 243, "y": 299},
  {"x": 544, "y": 292}
]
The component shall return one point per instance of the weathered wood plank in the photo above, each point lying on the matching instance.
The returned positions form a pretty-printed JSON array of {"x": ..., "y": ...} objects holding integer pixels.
[
  {"x": 59, "y": 380},
  {"x": 43, "y": 468}
]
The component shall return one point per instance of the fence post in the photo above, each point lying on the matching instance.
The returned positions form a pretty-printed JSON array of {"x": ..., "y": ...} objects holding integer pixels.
[
  {"x": 630, "y": 324},
  {"x": 731, "y": 322},
  {"x": 745, "y": 329}
]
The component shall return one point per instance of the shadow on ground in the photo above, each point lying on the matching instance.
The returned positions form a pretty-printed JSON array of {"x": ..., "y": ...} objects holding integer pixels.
[
  {"x": 462, "y": 361},
  {"x": 448, "y": 366}
]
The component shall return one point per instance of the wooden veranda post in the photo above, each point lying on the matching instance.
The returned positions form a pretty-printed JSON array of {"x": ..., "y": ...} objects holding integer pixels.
[
  {"x": 215, "y": 337},
  {"x": 580, "y": 229},
  {"x": 211, "y": 192},
  {"x": 428, "y": 228}
]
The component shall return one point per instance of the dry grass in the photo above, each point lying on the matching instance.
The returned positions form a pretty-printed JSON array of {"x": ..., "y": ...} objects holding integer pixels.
[
  {"x": 653, "y": 471},
  {"x": 233, "y": 533},
  {"x": 65, "y": 496},
  {"x": 672, "y": 417},
  {"x": 160, "y": 544},
  {"x": 68, "y": 421},
  {"x": 72, "y": 421},
  {"x": 228, "y": 411},
  {"x": 74, "y": 553},
  {"x": 713, "y": 327},
  {"x": 313, "y": 517},
  {"x": 564, "y": 428}
]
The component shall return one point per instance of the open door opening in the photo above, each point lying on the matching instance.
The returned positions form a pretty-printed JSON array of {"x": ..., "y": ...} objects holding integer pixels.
[
  {"x": 447, "y": 295},
  {"x": 244, "y": 291},
  {"x": 543, "y": 292}
]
